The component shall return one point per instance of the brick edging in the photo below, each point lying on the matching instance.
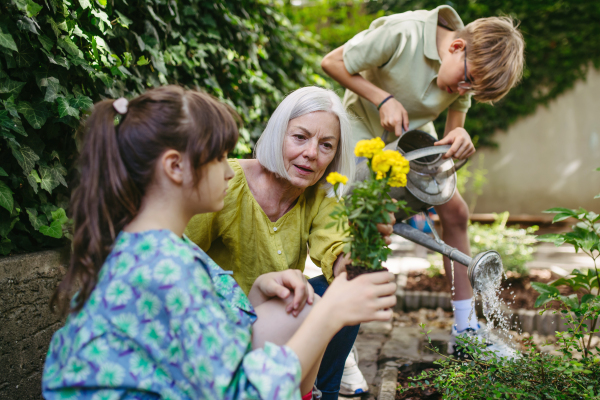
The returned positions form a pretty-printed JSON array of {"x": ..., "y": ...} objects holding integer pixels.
[{"x": 529, "y": 321}]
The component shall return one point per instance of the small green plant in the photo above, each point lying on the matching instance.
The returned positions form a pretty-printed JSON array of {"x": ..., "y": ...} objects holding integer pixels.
[
  {"x": 515, "y": 245},
  {"x": 534, "y": 374},
  {"x": 369, "y": 203},
  {"x": 475, "y": 180}
]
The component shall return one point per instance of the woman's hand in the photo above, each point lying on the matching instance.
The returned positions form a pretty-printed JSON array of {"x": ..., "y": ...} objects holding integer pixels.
[
  {"x": 281, "y": 284},
  {"x": 368, "y": 297},
  {"x": 393, "y": 116},
  {"x": 462, "y": 145}
]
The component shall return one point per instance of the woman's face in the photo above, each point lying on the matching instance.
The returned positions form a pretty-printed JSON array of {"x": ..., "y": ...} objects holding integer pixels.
[{"x": 309, "y": 146}]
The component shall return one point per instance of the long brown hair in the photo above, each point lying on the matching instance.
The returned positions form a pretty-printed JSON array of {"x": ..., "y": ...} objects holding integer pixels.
[{"x": 116, "y": 167}]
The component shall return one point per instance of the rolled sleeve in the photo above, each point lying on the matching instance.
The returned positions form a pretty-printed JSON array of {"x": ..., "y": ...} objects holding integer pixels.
[
  {"x": 325, "y": 242},
  {"x": 285, "y": 372},
  {"x": 462, "y": 103},
  {"x": 371, "y": 48}
]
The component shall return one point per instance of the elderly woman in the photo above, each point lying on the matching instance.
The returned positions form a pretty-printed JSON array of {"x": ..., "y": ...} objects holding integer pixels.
[{"x": 277, "y": 208}]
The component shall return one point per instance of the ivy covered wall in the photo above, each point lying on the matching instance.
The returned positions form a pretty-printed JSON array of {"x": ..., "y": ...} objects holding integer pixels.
[{"x": 58, "y": 57}]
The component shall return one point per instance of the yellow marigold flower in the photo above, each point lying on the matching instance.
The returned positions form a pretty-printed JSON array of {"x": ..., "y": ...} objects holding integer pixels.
[
  {"x": 397, "y": 181},
  {"x": 336, "y": 177},
  {"x": 368, "y": 148},
  {"x": 390, "y": 159}
]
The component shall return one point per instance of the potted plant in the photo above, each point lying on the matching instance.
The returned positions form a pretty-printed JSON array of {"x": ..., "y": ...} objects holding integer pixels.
[{"x": 367, "y": 204}]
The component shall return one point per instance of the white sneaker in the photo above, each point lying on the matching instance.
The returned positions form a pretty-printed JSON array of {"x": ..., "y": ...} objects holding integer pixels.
[
  {"x": 493, "y": 343},
  {"x": 353, "y": 381}
]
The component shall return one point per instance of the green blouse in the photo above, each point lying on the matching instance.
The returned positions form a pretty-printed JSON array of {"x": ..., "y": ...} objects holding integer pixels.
[{"x": 241, "y": 237}]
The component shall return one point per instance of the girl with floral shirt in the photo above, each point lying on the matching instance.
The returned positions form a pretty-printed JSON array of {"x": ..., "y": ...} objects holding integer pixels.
[{"x": 155, "y": 317}]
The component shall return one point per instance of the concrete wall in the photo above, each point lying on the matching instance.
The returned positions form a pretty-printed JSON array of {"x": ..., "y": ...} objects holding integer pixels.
[
  {"x": 26, "y": 323},
  {"x": 548, "y": 159}
]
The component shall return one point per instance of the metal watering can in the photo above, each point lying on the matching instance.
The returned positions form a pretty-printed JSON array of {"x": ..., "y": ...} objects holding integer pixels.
[{"x": 432, "y": 182}]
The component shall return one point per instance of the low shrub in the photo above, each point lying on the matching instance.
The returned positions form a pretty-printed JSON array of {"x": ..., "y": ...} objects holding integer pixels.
[{"x": 535, "y": 374}]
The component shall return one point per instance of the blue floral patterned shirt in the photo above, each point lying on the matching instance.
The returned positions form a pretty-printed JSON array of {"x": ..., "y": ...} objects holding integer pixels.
[{"x": 165, "y": 322}]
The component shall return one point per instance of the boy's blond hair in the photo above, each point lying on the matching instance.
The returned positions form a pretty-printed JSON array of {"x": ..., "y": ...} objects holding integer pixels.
[{"x": 495, "y": 48}]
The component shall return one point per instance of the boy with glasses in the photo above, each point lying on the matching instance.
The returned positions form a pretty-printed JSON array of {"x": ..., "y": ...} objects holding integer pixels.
[{"x": 402, "y": 73}]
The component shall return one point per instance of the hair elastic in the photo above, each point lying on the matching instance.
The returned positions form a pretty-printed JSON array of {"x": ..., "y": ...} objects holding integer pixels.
[
  {"x": 120, "y": 105},
  {"x": 384, "y": 100}
]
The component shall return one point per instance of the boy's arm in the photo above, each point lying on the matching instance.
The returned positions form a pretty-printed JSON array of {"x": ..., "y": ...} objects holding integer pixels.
[
  {"x": 392, "y": 114},
  {"x": 457, "y": 136}
]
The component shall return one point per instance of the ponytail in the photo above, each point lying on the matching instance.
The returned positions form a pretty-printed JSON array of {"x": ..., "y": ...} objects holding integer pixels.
[
  {"x": 116, "y": 166},
  {"x": 102, "y": 204}
]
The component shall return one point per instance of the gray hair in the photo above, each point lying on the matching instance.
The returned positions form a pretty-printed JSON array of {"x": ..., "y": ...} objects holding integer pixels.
[{"x": 269, "y": 148}]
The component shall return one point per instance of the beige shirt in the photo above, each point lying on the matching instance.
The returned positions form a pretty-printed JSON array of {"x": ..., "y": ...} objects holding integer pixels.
[{"x": 398, "y": 53}]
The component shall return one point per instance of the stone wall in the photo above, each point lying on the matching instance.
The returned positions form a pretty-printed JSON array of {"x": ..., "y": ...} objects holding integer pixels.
[
  {"x": 547, "y": 159},
  {"x": 26, "y": 323}
]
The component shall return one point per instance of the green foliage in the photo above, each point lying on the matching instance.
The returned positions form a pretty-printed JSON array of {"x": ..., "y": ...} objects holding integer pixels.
[
  {"x": 367, "y": 205},
  {"x": 515, "y": 245},
  {"x": 562, "y": 41},
  {"x": 58, "y": 57},
  {"x": 534, "y": 375}
]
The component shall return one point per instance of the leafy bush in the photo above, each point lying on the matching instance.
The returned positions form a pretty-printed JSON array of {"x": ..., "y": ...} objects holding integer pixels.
[
  {"x": 60, "y": 56},
  {"x": 515, "y": 245},
  {"x": 536, "y": 375}
]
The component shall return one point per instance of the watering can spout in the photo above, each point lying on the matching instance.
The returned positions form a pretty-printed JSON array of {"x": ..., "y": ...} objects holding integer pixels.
[{"x": 483, "y": 269}]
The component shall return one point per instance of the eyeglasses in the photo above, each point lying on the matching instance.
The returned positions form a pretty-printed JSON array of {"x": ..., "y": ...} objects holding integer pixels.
[{"x": 466, "y": 84}]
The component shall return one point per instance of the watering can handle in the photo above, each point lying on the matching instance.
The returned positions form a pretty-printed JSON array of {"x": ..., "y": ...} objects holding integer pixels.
[{"x": 432, "y": 150}]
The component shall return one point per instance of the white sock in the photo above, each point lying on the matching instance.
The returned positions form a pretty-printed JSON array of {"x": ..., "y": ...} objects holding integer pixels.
[{"x": 462, "y": 310}]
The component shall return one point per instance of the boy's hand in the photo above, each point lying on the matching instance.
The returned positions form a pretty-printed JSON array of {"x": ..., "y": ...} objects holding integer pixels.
[
  {"x": 393, "y": 117},
  {"x": 462, "y": 146}
]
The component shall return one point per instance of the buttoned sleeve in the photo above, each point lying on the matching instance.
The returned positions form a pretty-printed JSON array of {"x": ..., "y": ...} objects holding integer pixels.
[
  {"x": 462, "y": 103},
  {"x": 325, "y": 242},
  {"x": 374, "y": 47}
]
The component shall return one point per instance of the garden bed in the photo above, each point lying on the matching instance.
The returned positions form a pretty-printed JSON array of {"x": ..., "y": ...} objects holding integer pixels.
[
  {"x": 517, "y": 292},
  {"x": 411, "y": 370}
]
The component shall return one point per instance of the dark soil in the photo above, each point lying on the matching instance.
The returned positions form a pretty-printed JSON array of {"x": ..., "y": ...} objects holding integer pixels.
[
  {"x": 416, "y": 393},
  {"x": 517, "y": 291},
  {"x": 354, "y": 271}
]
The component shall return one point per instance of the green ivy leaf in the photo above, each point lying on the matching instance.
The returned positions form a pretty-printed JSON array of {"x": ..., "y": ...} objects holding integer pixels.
[
  {"x": 81, "y": 102},
  {"x": 49, "y": 181},
  {"x": 142, "y": 61},
  {"x": 25, "y": 156},
  {"x": 54, "y": 230},
  {"x": 107, "y": 80},
  {"x": 52, "y": 89},
  {"x": 67, "y": 44},
  {"x": 64, "y": 108},
  {"x": 3, "y": 172},
  {"x": 53, "y": 25},
  {"x": 123, "y": 20},
  {"x": 31, "y": 179},
  {"x": 6, "y": 40},
  {"x": 36, "y": 221},
  {"x": 46, "y": 42},
  {"x": 9, "y": 86},
  {"x": 59, "y": 215},
  {"x": 6, "y": 197},
  {"x": 127, "y": 58},
  {"x": 9, "y": 105},
  {"x": 156, "y": 17},
  {"x": 36, "y": 114},
  {"x": 102, "y": 3},
  {"x": 11, "y": 123},
  {"x": 27, "y": 24},
  {"x": 85, "y": 4}
]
